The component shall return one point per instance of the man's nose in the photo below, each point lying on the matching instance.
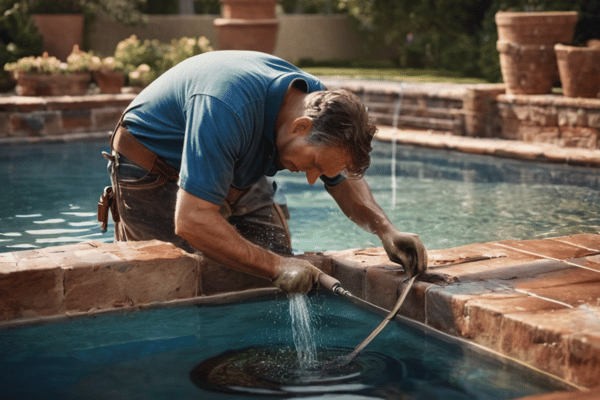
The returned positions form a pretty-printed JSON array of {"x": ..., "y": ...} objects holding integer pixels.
[{"x": 311, "y": 176}]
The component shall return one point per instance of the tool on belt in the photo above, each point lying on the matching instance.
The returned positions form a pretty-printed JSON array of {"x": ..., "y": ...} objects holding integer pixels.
[{"x": 125, "y": 143}]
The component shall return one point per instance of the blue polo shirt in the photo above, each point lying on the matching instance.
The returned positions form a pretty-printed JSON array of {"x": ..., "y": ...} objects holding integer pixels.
[{"x": 212, "y": 117}]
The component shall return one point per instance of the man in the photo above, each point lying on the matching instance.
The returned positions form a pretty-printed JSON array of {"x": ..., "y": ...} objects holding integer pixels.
[{"x": 190, "y": 156}]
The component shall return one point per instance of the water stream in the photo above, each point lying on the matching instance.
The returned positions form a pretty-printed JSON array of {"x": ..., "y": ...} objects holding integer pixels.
[{"x": 302, "y": 331}]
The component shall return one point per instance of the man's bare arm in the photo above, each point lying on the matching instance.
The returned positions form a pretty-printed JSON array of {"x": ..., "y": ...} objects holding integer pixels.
[
  {"x": 355, "y": 199},
  {"x": 199, "y": 222}
]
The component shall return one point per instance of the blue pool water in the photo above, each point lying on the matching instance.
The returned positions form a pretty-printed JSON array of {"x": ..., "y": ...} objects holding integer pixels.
[
  {"x": 151, "y": 355},
  {"x": 50, "y": 192}
]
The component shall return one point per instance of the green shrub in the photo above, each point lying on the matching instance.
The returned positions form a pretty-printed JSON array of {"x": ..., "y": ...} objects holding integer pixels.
[
  {"x": 19, "y": 37},
  {"x": 133, "y": 52},
  {"x": 144, "y": 61}
]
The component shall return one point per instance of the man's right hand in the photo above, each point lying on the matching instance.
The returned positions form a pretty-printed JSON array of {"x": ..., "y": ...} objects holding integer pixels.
[{"x": 294, "y": 275}]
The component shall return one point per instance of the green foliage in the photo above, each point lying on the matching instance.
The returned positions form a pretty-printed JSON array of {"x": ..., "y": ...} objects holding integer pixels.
[
  {"x": 456, "y": 35},
  {"x": 181, "y": 49},
  {"x": 489, "y": 60},
  {"x": 19, "y": 37},
  {"x": 41, "y": 64},
  {"x": 127, "y": 12},
  {"x": 207, "y": 6},
  {"x": 146, "y": 60},
  {"x": 161, "y": 7},
  {"x": 310, "y": 6},
  {"x": 133, "y": 52}
]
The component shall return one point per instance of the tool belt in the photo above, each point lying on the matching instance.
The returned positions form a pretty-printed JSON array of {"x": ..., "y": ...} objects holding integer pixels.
[{"x": 123, "y": 142}]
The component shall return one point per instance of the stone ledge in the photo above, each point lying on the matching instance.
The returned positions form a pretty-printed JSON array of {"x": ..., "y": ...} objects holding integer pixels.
[
  {"x": 537, "y": 301},
  {"x": 516, "y": 149}
]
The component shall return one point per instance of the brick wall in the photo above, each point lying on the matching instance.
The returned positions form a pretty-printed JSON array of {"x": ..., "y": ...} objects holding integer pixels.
[{"x": 35, "y": 117}]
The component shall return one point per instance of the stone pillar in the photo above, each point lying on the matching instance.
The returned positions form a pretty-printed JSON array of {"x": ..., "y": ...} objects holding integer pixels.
[{"x": 480, "y": 110}]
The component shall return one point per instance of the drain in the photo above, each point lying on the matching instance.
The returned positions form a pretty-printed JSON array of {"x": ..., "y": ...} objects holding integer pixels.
[{"x": 275, "y": 371}]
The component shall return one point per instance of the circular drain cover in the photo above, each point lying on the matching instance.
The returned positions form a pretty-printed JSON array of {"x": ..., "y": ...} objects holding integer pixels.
[{"x": 274, "y": 371}]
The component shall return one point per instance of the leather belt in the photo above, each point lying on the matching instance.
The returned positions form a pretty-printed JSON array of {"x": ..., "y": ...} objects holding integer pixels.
[{"x": 126, "y": 144}]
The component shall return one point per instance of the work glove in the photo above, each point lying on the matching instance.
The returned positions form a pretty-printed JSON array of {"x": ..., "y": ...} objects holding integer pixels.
[
  {"x": 294, "y": 275},
  {"x": 407, "y": 250}
]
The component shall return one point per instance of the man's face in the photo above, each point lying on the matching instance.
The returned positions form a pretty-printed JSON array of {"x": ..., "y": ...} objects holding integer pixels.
[{"x": 314, "y": 160}]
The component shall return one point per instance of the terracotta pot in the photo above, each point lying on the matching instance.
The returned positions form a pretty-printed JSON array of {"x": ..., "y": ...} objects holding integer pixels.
[
  {"x": 34, "y": 84},
  {"x": 247, "y": 34},
  {"x": 536, "y": 28},
  {"x": 527, "y": 69},
  {"x": 579, "y": 69},
  {"x": 528, "y": 39},
  {"x": 109, "y": 81},
  {"x": 249, "y": 9},
  {"x": 60, "y": 33}
]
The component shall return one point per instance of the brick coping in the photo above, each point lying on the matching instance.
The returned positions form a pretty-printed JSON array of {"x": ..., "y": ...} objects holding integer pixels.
[
  {"x": 535, "y": 301},
  {"x": 542, "y": 152}
]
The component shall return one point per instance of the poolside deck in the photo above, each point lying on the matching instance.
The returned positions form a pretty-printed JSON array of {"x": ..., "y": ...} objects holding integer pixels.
[{"x": 535, "y": 301}]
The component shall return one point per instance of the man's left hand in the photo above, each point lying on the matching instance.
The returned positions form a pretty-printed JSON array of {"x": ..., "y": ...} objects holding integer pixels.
[{"x": 407, "y": 250}]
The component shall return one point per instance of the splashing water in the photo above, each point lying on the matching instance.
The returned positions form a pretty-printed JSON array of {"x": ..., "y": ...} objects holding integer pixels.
[{"x": 302, "y": 331}]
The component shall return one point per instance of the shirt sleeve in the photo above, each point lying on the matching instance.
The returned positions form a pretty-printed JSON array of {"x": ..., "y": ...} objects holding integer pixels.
[
  {"x": 214, "y": 138},
  {"x": 331, "y": 182}
]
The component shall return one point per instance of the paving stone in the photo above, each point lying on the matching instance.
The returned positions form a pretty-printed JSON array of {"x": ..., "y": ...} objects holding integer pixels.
[
  {"x": 584, "y": 355},
  {"x": 538, "y": 338},
  {"x": 475, "y": 261},
  {"x": 216, "y": 278},
  {"x": 587, "y": 240},
  {"x": 382, "y": 287},
  {"x": 120, "y": 276},
  {"x": 350, "y": 271},
  {"x": 549, "y": 248},
  {"x": 485, "y": 315},
  {"x": 445, "y": 305},
  {"x": 592, "y": 262},
  {"x": 31, "y": 287}
]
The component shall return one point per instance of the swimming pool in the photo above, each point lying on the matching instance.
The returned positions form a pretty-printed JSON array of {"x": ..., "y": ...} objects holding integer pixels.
[
  {"x": 152, "y": 355},
  {"x": 450, "y": 199}
]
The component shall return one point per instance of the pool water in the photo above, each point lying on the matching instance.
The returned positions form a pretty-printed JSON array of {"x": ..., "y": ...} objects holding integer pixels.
[
  {"x": 50, "y": 193},
  {"x": 155, "y": 354}
]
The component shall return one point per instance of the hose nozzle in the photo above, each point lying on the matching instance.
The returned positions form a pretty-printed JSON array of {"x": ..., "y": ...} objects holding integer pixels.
[{"x": 332, "y": 284}]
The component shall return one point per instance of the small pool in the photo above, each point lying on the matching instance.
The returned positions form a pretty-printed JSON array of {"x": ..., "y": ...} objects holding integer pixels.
[
  {"x": 152, "y": 355},
  {"x": 450, "y": 199}
]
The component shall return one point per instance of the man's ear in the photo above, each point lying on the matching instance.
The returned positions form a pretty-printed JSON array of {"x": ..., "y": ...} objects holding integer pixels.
[{"x": 301, "y": 126}]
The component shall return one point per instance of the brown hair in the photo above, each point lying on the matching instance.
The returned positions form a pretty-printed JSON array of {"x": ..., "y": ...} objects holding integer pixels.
[{"x": 339, "y": 118}]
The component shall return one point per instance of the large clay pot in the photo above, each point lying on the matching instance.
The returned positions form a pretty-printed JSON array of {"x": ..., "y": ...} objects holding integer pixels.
[
  {"x": 536, "y": 28},
  {"x": 36, "y": 84},
  {"x": 526, "y": 44},
  {"x": 579, "y": 69},
  {"x": 60, "y": 33},
  {"x": 247, "y": 25},
  {"x": 527, "y": 69}
]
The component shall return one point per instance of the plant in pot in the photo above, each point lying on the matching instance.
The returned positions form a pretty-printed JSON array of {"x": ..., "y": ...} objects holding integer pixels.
[
  {"x": 48, "y": 76},
  {"x": 108, "y": 75}
]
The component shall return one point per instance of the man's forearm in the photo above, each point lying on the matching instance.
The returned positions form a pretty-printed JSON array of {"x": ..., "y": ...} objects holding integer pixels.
[{"x": 207, "y": 231}]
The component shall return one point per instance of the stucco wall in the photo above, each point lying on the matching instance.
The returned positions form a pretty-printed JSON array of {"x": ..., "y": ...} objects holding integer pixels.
[{"x": 320, "y": 37}]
